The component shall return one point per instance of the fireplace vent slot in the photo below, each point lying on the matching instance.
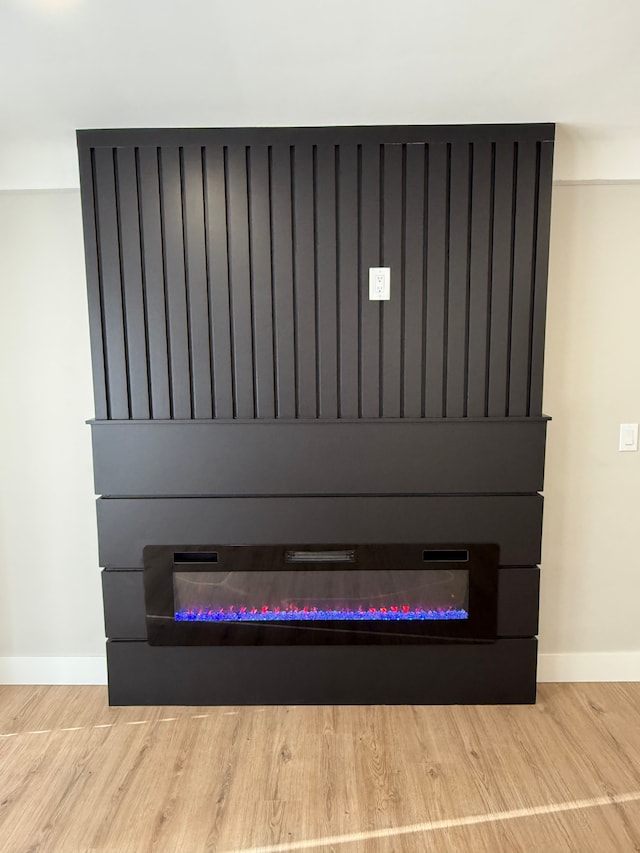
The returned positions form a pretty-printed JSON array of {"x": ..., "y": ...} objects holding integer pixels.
[
  {"x": 195, "y": 557},
  {"x": 320, "y": 556},
  {"x": 459, "y": 555}
]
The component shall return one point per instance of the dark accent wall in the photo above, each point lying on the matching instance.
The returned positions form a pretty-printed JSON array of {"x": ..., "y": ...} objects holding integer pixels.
[
  {"x": 247, "y": 391},
  {"x": 228, "y": 271}
]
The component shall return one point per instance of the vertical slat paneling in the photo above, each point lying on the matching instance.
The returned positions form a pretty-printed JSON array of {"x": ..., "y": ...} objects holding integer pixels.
[
  {"x": 260, "y": 248},
  {"x": 536, "y": 359},
  {"x": 392, "y": 225},
  {"x": 175, "y": 283},
  {"x": 501, "y": 273},
  {"x": 240, "y": 290},
  {"x": 132, "y": 286},
  {"x": 217, "y": 251},
  {"x": 305, "y": 278},
  {"x": 348, "y": 217},
  {"x": 94, "y": 287},
  {"x": 112, "y": 303},
  {"x": 413, "y": 281},
  {"x": 196, "y": 271},
  {"x": 480, "y": 279},
  {"x": 523, "y": 238},
  {"x": 437, "y": 216},
  {"x": 283, "y": 307},
  {"x": 231, "y": 281},
  {"x": 326, "y": 251},
  {"x": 370, "y": 254},
  {"x": 458, "y": 304},
  {"x": 151, "y": 234}
]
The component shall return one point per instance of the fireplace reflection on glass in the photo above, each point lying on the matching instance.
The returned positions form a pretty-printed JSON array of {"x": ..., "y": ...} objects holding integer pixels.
[{"x": 321, "y": 595}]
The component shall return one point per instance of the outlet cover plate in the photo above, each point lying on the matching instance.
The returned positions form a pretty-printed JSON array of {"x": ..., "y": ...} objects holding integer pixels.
[{"x": 379, "y": 283}]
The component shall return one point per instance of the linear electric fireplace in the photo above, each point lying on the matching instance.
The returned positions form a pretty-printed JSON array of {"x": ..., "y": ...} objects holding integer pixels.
[
  {"x": 318, "y": 595},
  {"x": 306, "y": 495}
]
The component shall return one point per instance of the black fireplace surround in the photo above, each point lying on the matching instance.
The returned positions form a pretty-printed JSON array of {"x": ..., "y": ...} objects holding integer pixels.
[{"x": 306, "y": 496}]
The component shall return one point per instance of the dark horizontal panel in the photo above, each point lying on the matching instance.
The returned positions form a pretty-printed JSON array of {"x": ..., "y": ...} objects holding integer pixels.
[
  {"x": 334, "y": 135},
  {"x": 518, "y": 598},
  {"x": 142, "y": 458},
  {"x": 500, "y": 672},
  {"x": 126, "y": 526},
  {"x": 124, "y": 607}
]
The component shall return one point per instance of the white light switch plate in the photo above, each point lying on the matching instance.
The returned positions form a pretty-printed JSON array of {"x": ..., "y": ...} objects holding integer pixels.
[
  {"x": 380, "y": 283},
  {"x": 628, "y": 437}
]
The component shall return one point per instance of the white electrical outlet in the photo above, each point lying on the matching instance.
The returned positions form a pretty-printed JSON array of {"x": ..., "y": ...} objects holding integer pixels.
[
  {"x": 379, "y": 283},
  {"x": 628, "y": 437}
]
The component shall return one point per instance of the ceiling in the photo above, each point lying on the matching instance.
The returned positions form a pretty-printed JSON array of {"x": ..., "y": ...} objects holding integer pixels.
[{"x": 67, "y": 64}]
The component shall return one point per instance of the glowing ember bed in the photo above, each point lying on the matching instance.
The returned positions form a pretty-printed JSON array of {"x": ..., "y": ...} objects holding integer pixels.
[{"x": 313, "y": 614}]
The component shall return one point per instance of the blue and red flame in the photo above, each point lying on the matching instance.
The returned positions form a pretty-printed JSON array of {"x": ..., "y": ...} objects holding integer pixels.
[{"x": 293, "y": 613}]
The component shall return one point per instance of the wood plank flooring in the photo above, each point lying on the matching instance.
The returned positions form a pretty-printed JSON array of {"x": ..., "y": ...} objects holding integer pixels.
[{"x": 79, "y": 777}]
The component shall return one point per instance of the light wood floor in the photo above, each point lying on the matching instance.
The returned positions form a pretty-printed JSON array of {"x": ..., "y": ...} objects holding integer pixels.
[{"x": 563, "y": 775}]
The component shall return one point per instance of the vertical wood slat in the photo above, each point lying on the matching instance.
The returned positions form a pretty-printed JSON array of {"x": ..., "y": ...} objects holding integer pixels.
[
  {"x": 538, "y": 312},
  {"x": 480, "y": 279},
  {"x": 391, "y": 351},
  {"x": 132, "y": 282},
  {"x": 152, "y": 259},
  {"x": 217, "y": 252},
  {"x": 349, "y": 284},
  {"x": 260, "y": 248},
  {"x": 458, "y": 307},
  {"x": 501, "y": 280},
  {"x": 196, "y": 273},
  {"x": 240, "y": 283},
  {"x": 177, "y": 295},
  {"x": 325, "y": 213},
  {"x": 437, "y": 207},
  {"x": 305, "y": 278},
  {"x": 523, "y": 247},
  {"x": 371, "y": 255},
  {"x": 413, "y": 281},
  {"x": 94, "y": 287},
  {"x": 283, "y": 295},
  {"x": 112, "y": 302}
]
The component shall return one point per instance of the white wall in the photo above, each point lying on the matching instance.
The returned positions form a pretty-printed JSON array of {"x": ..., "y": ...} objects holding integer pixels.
[
  {"x": 591, "y": 558},
  {"x": 50, "y": 607},
  {"x": 50, "y": 604},
  {"x": 204, "y": 63}
]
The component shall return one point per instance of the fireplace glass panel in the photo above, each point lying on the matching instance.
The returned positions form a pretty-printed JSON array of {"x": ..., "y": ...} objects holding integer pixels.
[{"x": 321, "y": 595}]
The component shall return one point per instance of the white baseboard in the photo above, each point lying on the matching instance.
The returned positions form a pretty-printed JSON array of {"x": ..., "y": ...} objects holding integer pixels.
[
  {"x": 589, "y": 666},
  {"x": 50, "y": 670}
]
